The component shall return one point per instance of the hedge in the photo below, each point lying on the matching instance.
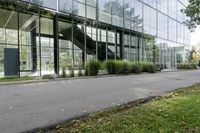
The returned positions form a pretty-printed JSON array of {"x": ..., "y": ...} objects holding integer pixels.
[
  {"x": 187, "y": 66},
  {"x": 135, "y": 67},
  {"x": 152, "y": 68},
  {"x": 92, "y": 68},
  {"x": 124, "y": 67},
  {"x": 119, "y": 67}
]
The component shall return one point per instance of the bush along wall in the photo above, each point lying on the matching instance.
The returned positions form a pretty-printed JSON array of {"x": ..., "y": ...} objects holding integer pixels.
[
  {"x": 135, "y": 67},
  {"x": 119, "y": 67},
  {"x": 187, "y": 66},
  {"x": 92, "y": 68}
]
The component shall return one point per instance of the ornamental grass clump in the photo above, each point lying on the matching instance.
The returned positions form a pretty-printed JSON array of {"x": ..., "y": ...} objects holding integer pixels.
[
  {"x": 187, "y": 66},
  {"x": 92, "y": 68},
  {"x": 135, "y": 67},
  {"x": 110, "y": 66},
  {"x": 152, "y": 68},
  {"x": 117, "y": 67}
]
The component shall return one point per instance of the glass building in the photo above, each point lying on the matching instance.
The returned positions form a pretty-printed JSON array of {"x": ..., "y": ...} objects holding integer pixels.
[{"x": 39, "y": 37}]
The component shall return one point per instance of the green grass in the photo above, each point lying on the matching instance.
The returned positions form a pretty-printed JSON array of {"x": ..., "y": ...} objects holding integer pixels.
[
  {"x": 177, "y": 112},
  {"x": 13, "y": 79}
]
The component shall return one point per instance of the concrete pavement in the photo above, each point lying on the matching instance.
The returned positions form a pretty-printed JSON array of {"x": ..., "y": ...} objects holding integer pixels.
[{"x": 28, "y": 106}]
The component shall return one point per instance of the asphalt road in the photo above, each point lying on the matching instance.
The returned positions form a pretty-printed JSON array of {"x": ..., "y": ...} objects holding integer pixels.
[{"x": 28, "y": 106}]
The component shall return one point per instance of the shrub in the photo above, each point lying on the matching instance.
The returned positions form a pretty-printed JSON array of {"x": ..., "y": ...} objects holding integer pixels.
[
  {"x": 145, "y": 66},
  {"x": 121, "y": 67},
  {"x": 149, "y": 67},
  {"x": 193, "y": 66},
  {"x": 80, "y": 73},
  {"x": 110, "y": 66},
  {"x": 92, "y": 68},
  {"x": 49, "y": 76},
  {"x": 135, "y": 67},
  {"x": 132, "y": 67},
  {"x": 152, "y": 68},
  {"x": 64, "y": 74},
  {"x": 117, "y": 67},
  {"x": 187, "y": 66},
  {"x": 71, "y": 72},
  {"x": 125, "y": 68}
]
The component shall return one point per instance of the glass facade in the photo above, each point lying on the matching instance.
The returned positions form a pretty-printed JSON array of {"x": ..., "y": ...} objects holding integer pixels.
[{"x": 50, "y": 35}]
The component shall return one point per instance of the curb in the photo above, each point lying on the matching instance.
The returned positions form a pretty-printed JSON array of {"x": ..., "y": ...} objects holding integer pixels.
[
  {"x": 61, "y": 79},
  {"x": 77, "y": 78}
]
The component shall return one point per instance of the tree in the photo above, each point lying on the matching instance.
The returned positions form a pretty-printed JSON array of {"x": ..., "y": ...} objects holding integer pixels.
[
  {"x": 195, "y": 53},
  {"x": 193, "y": 12},
  {"x": 192, "y": 51}
]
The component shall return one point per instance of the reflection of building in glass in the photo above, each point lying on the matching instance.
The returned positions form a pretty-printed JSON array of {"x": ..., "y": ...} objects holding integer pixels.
[{"x": 50, "y": 34}]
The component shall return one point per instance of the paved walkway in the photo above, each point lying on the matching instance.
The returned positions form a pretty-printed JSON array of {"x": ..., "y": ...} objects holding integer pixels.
[{"x": 28, "y": 106}]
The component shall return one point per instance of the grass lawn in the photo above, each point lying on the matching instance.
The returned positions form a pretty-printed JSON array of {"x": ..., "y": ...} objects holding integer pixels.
[
  {"x": 177, "y": 112},
  {"x": 13, "y": 79}
]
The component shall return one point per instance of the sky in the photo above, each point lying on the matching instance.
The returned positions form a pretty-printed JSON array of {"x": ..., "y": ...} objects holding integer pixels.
[{"x": 195, "y": 37}]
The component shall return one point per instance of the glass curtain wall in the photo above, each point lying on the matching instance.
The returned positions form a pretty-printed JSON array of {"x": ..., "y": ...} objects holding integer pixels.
[
  {"x": 137, "y": 48},
  {"x": 102, "y": 50},
  {"x": 161, "y": 19},
  {"x": 78, "y": 35},
  {"x": 111, "y": 45},
  {"x": 47, "y": 46},
  {"x": 29, "y": 48},
  {"x": 66, "y": 53},
  {"x": 72, "y": 43},
  {"x": 91, "y": 43},
  {"x": 121, "y": 13},
  {"x": 52, "y": 4},
  {"x": 100, "y": 29},
  {"x": 35, "y": 44},
  {"x": 8, "y": 35}
]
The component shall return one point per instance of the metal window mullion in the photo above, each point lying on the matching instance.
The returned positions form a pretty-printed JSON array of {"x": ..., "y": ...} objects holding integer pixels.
[
  {"x": 143, "y": 46},
  {"x": 40, "y": 51},
  {"x": 96, "y": 42},
  {"x": 143, "y": 17},
  {"x": 73, "y": 62},
  {"x": 97, "y": 22},
  {"x": 18, "y": 37},
  {"x": 106, "y": 43},
  {"x": 56, "y": 44},
  {"x": 122, "y": 45},
  {"x": 115, "y": 45},
  {"x": 130, "y": 42},
  {"x": 97, "y": 10},
  {"x": 85, "y": 42},
  {"x": 138, "y": 42}
]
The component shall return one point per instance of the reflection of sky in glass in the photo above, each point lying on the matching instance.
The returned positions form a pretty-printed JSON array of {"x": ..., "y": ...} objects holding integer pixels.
[
  {"x": 128, "y": 13},
  {"x": 46, "y": 3}
]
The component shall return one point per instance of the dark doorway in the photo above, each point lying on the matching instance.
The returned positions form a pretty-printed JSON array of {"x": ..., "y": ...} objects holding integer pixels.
[{"x": 11, "y": 62}]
